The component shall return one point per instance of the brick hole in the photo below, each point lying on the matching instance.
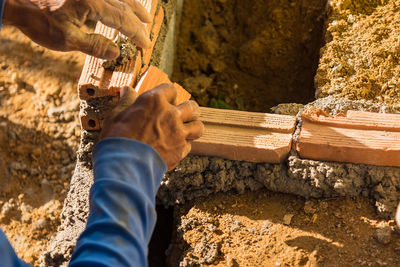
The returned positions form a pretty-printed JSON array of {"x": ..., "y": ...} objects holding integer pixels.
[
  {"x": 92, "y": 123},
  {"x": 90, "y": 91}
]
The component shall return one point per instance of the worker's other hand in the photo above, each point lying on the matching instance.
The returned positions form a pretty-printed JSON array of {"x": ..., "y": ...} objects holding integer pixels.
[
  {"x": 56, "y": 24},
  {"x": 154, "y": 119}
]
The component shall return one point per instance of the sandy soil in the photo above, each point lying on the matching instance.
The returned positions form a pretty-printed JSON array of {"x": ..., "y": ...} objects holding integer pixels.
[
  {"x": 358, "y": 62},
  {"x": 268, "y": 229},
  {"x": 249, "y": 55},
  {"x": 39, "y": 134},
  {"x": 361, "y": 58}
]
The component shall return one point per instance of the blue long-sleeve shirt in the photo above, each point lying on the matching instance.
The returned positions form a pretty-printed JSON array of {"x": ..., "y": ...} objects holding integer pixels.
[{"x": 127, "y": 175}]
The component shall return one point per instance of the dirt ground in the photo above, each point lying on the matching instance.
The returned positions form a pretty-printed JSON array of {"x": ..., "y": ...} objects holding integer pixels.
[
  {"x": 249, "y": 55},
  {"x": 39, "y": 135},
  {"x": 361, "y": 58},
  {"x": 270, "y": 229},
  {"x": 267, "y": 229}
]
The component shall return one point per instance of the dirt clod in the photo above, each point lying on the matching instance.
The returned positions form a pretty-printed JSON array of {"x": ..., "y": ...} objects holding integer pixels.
[{"x": 383, "y": 235}]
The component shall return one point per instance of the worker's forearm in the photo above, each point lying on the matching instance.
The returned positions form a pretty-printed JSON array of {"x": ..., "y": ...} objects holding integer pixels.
[
  {"x": 122, "y": 205},
  {"x": 7, "y": 254}
]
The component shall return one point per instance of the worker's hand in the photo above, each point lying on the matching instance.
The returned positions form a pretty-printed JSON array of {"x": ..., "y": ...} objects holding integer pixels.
[
  {"x": 398, "y": 216},
  {"x": 155, "y": 120},
  {"x": 56, "y": 24}
]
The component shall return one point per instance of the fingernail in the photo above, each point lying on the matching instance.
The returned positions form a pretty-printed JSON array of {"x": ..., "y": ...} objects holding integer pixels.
[{"x": 123, "y": 91}]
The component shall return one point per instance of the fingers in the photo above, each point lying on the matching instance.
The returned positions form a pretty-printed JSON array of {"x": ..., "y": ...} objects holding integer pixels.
[
  {"x": 194, "y": 130},
  {"x": 93, "y": 44},
  {"x": 189, "y": 110},
  {"x": 127, "y": 96},
  {"x": 187, "y": 150},
  {"x": 114, "y": 14},
  {"x": 139, "y": 10},
  {"x": 398, "y": 216},
  {"x": 165, "y": 90}
]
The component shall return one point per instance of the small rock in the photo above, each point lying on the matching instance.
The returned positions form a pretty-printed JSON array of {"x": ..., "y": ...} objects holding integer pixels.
[
  {"x": 265, "y": 228},
  {"x": 308, "y": 208},
  {"x": 236, "y": 225},
  {"x": 231, "y": 262},
  {"x": 324, "y": 205},
  {"x": 383, "y": 235},
  {"x": 17, "y": 166},
  {"x": 287, "y": 219},
  {"x": 7, "y": 208},
  {"x": 252, "y": 231},
  {"x": 381, "y": 263},
  {"x": 212, "y": 228},
  {"x": 39, "y": 224}
]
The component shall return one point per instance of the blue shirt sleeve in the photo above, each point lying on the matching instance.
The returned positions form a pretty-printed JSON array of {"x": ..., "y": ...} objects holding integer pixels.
[
  {"x": 127, "y": 175},
  {"x": 2, "y": 2},
  {"x": 8, "y": 257}
]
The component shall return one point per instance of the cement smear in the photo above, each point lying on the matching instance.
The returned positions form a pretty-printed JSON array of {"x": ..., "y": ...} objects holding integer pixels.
[
  {"x": 76, "y": 205},
  {"x": 202, "y": 176}
]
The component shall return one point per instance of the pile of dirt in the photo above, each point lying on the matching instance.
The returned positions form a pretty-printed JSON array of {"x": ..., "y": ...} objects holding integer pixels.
[
  {"x": 39, "y": 135},
  {"x": 249, "y": 55},
  {"x": 268, "y": 229},
  {"x": 361, "y": 57}
]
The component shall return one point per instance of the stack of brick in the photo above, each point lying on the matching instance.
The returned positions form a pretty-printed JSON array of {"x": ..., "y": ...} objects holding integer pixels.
[
  {"x": 358, "y": 137},
  {"x": 96, "y": 81}
]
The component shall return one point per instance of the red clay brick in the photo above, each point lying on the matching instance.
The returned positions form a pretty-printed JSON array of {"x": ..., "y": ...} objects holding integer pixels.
[
  {"x": 154, "y": 77},
  {"x": 90, "y": 123},
  {"x": 245, "y": 136},
  {"x": 359, "y": 137},
  {"x": 150, "y": 79},
  {"x": 95, "y": 81},
  {"x": 158, "y": 21}
]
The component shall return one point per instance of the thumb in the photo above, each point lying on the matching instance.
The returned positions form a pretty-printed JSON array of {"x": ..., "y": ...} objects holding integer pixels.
[
  {"x": 127, "y": 97},
  {"x": 93, "y": 44}
]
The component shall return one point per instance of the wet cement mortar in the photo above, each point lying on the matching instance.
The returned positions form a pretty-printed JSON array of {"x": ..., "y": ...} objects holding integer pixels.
[{"x": 202, "y": 176}]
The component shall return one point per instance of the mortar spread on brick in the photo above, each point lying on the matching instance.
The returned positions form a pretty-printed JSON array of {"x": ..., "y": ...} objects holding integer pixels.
[{"x": 127, "y": 52}]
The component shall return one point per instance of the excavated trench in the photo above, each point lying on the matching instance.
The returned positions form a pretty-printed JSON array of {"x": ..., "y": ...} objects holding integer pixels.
[{"x": 248, "y": 55}]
